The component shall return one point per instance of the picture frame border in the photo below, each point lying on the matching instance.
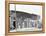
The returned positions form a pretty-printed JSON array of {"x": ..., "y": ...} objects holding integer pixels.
[{"x": 7, "y": 20}]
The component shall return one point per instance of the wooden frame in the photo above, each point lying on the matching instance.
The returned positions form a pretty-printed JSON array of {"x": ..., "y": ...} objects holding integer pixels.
[{"x": 29, "y": 3}]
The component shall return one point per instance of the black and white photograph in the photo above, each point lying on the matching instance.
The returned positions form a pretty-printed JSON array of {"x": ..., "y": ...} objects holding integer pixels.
[{"x": 25, "y": 18}]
